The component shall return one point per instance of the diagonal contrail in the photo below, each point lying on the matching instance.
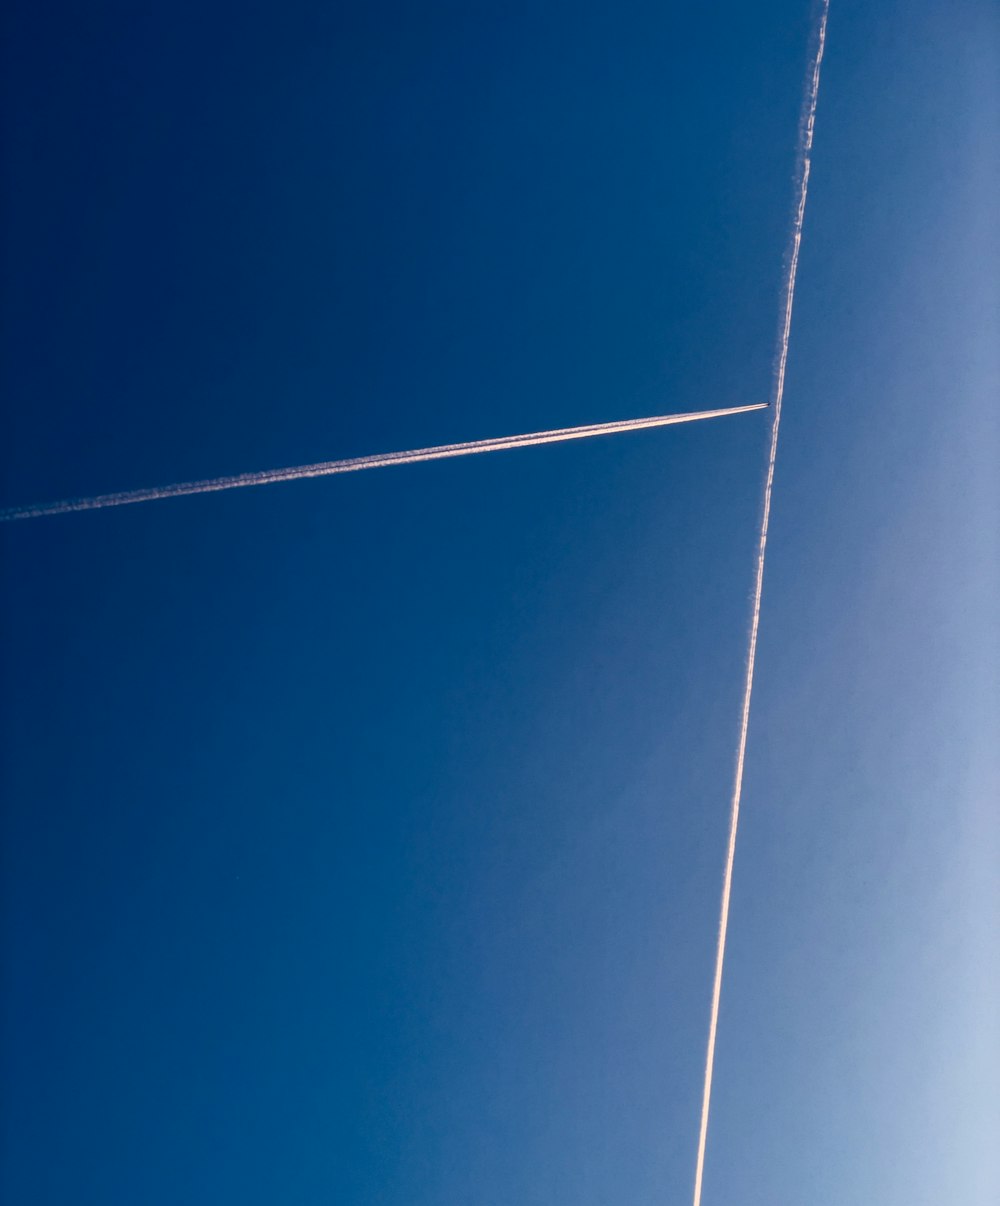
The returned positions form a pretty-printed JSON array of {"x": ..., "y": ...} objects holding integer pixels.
[
  {"x": 806, "y": 127},
  {"x": 327, "y": 468}
]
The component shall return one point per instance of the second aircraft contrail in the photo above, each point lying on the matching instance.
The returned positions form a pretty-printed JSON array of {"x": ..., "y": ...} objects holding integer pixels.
[
  {"x": 328, "y": 468},
  {"x": 806, "y": 129}
]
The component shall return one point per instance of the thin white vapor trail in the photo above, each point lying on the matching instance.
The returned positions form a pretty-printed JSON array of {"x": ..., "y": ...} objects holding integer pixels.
[
  {"x": 327, "y": 468},
  {"x": 806, "y": 128}
]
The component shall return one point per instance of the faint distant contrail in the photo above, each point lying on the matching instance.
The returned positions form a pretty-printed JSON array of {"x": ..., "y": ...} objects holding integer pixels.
[
  {"x": 327, "y": 468},
  {"x": 806, "y": 126}
]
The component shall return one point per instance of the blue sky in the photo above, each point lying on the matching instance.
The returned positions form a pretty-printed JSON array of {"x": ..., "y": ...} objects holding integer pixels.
[{"x": 362, "y": 838}]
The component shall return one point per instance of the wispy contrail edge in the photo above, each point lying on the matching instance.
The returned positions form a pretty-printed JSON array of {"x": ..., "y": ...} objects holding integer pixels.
[
  {"x": 328, "y": 468},
  {"x": 778, "y": 390}
]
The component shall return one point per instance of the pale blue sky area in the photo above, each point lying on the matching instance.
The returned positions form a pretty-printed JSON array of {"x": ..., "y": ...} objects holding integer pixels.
[{"x": 362, "y": 838}]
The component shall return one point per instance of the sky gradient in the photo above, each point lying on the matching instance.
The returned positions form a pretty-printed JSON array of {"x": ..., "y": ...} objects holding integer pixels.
[{"x": 362, "y": 838}]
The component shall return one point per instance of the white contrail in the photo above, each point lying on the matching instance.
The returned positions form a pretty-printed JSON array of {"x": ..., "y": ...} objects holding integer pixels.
[
  {"x": 806, "y": 127},
  {"x": 327, "y": 468}
]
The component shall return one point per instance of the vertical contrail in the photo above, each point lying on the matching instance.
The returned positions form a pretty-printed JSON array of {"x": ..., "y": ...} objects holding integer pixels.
[
  {"x": 328, "y": 468},
  {"x": 777, "y": 394}
]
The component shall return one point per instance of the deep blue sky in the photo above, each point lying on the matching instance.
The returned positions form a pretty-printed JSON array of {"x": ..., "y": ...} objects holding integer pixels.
[{"x": 362, "y": 838}]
